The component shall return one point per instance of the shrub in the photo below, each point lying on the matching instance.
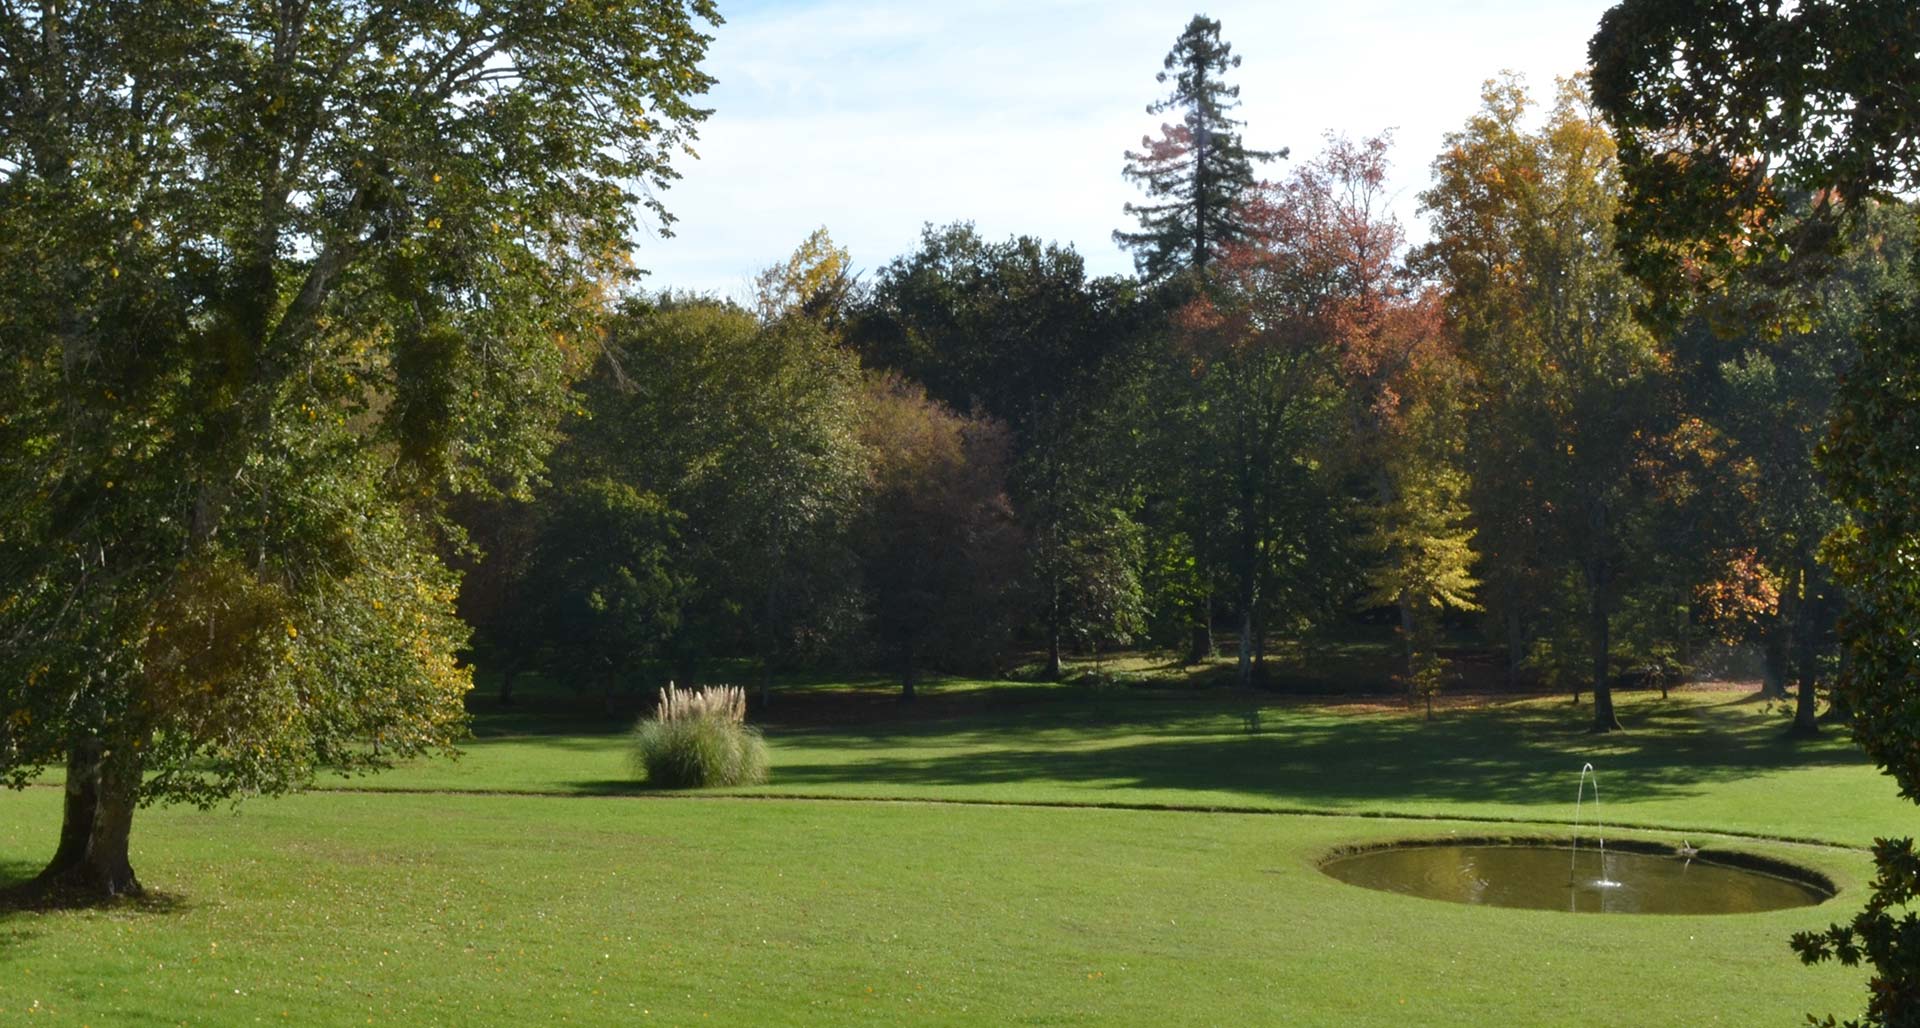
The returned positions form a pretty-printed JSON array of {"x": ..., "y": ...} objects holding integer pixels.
[{"x": 699, "y": 737}]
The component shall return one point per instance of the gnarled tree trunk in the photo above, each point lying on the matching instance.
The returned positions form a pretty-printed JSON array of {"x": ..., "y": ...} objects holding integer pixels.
[{"x": 103, "y": 787}]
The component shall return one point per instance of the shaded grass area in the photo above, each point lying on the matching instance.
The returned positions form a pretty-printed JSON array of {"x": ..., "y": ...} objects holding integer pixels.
[
  {"x": 345, "y": 908},
  {"x": 1699, "y": 759}
]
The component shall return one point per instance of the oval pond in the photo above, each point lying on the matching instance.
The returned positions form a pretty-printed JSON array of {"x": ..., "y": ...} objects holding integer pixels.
[{"x": 1558, "y": 878}]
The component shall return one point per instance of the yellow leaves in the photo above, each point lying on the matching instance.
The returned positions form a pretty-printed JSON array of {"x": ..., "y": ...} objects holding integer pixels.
[
  {"x": 433, "y": 223},
  {"x": 292, "y": 632}
]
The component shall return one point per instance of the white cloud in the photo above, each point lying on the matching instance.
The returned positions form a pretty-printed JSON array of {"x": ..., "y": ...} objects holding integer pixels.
[{"x": 872, "y": 117}]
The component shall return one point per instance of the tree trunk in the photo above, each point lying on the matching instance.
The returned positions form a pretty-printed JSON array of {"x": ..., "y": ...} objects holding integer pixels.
[
  {"x": 1778, "y": 648},
  {"x": 1603, "y": 716},
  {"x": 1773, "y": 665},
  {"x": 1259, "y": 625},
  {"x": 1685, "y": 612},
  {"x": 1053, "y": 650},
  {"x": 1839, "y": 711},
  {"x": 82, "y": 800},
  {"x": 92, "y": 861},
  {"x": 1245, "y": 674},
  {"x": 1200, "y": 644},
  {"x": 1406, "y": 642},
  {"x": 1200, "y": 647},
  {"x": 1249, "y": 596},
  {"x": 1806, "y": 719},
  {"x": 1516, "y": 647},
  {"x": 1806, "y": 722},
  {"x": 506, "y": 687}
]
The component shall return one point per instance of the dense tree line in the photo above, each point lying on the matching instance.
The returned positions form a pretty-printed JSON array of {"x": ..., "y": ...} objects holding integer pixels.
[{"x": 1291, "y": 419}]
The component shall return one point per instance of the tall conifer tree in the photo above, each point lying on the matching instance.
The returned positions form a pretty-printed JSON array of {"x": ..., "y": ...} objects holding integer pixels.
[{"x": 1195, "y": 173}]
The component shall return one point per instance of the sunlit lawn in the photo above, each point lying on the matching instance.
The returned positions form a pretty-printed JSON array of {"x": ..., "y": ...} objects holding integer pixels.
[
  {"x": 1705, "y": 757},
  {"x": 597, "y": 904}
]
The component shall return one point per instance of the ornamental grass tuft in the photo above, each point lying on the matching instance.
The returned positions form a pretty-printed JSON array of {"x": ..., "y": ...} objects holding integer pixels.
[{"x": 699, "y": 737}]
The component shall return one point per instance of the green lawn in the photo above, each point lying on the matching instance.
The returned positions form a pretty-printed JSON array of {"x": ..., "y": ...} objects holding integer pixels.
[
  {"x": 586, "y": 903},
  {"x": 1702, "y": 758}
]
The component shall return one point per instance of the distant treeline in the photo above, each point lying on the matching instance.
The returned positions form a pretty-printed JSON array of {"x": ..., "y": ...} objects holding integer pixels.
[{"x": 1288, "y": 416}]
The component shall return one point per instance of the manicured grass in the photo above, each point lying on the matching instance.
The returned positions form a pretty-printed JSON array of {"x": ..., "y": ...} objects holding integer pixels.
[
  {"x": 595, "y": 903},
  {"x": 1703, "y": 758},
  {"x": 400, "y": 909}
]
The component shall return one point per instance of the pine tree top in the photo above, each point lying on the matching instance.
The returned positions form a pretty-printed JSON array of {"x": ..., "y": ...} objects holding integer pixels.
[{"x": 1198, "y": 169}]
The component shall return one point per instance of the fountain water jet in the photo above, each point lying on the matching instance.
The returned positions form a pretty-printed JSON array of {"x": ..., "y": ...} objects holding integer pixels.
[{"x": 1599, "y": 831}]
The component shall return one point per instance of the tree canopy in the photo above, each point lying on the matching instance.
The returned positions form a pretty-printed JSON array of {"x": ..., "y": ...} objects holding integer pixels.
[
  {"x": 1725, "y": 111},
  {"x": 278, "y": 276}
]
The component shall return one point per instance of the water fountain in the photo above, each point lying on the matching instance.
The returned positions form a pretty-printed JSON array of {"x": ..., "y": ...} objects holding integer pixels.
[
  {"x": 1647, "y": 878},
  {"x": 1600, "y": 832}
]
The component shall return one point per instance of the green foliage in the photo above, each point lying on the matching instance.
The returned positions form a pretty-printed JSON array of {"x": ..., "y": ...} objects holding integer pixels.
[
  {"x": 1100, "y": 581},
  {"x": 1775, "y": 100},
  {"x": 1199, "y": 171},
  {"x": 1017, "y": 330},
  {"x": 1870, "y": 465},
  {"x": 1264, "y": 408},
  {"x": 278, "y": 277},
  {"x": 1572, "y": 392},
  {"x": 1428, "y": 548},
  {"x": 743, "y": 430},
  {"x": 603, "y": 584},
  {"x": 1881, "y": 936},
  {"x": 816, "y": 281},
  {"x": 1770, "y": 101},
  {"x": 937, "y": 541}
]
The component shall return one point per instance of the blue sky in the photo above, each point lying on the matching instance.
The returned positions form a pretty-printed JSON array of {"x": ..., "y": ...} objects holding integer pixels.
[{"x": 873, "y": 117}]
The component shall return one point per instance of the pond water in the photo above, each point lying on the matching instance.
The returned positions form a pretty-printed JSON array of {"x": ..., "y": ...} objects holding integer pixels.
[{"x": 1556, "y": 878}]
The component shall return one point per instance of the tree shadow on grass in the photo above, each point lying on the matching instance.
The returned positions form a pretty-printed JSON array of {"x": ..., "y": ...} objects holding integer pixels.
[
  {"x": 23, "y": 903},
  {"x": 1518, "y": 756}
]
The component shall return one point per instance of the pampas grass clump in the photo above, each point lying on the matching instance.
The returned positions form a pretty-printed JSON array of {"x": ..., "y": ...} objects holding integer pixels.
[{"x": 699, "y": 737}]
